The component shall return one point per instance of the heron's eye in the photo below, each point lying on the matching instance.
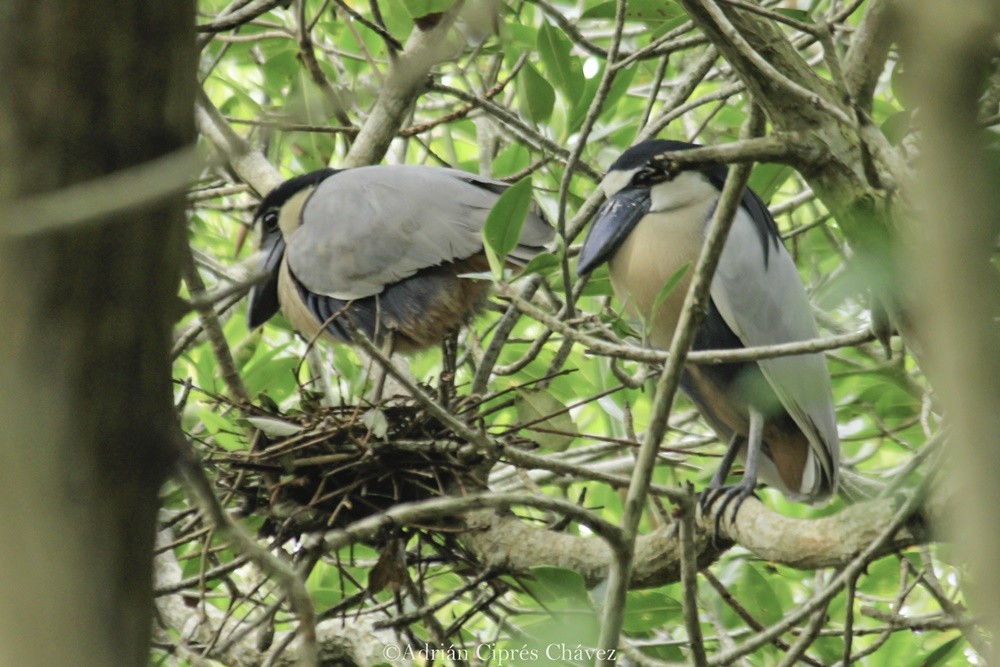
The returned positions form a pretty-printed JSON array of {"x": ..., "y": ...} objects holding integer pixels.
[
  {"x": 271, "y": 218},
  {"x": 651, "y": 174}
]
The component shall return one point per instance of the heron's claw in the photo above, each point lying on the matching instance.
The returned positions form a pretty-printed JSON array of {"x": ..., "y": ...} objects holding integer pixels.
[{"x": 737, "y": 493}]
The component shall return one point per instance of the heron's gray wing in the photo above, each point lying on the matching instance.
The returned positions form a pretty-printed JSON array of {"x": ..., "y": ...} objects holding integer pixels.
[
  {"x": 365, "y": 228},
  {"x": 765, "y": 303}
]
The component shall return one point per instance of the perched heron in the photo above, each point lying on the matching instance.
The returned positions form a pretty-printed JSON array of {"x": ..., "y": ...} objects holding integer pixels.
[
  {"x": 775, "y": 413},
  {"x": 381, "y": 249}
]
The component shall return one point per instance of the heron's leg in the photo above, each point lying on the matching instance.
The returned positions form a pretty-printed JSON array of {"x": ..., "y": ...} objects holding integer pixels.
[
  {"x": 754, "y": 445},
  {"x": 738, "y": 492},
  {"x": 722, "y": 472}
]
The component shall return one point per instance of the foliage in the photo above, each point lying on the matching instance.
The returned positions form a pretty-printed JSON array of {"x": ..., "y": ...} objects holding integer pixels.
[{"x": 525, "y": 94}]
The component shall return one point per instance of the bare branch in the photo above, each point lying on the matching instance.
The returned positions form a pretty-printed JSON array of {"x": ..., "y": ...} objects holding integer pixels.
[
  {"x": 248, "y": 163},
  {"x": 752, "y": 59},
  {"x": 857, "y": 564},
  {"x": 868, "y": 51},
  {"x": 436, "y": 508},
  {"x": 227, "y": 20},
  {"x": 689, "y": 577},
  {"x": 200, "y": 489},
  {"x": 666, "y": 387},
  {"x": 406, "y": 77},
  {"x": 596, "y": 105},
  {"x": 210, "y": 323},
  {"x": 508, "y": 543}
]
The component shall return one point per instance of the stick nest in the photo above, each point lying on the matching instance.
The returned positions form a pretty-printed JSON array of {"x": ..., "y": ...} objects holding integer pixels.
[{"x": 337, "y": 465}]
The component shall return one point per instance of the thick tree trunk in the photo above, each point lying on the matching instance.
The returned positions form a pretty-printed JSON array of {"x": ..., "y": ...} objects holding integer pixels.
[
  {"x": 948, "y": 49},
  {"x": 86, "y": 89}
]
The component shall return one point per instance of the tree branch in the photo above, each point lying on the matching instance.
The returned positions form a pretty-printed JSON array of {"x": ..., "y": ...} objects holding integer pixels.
[
  {"x": 507, "y": 543},
  {"x": 622, "y": 350},
  {"x": 93, "y": 201},
  {"x": 407, "y": 76},
  {"x": 869, "y": 49},
  {"x": 340, "y": 641},
  {"x": 248, "y": 163},
  {"x": 227, "y": 20}
]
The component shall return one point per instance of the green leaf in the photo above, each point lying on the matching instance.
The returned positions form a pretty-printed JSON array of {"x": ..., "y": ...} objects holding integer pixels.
[
  {"x": 897, "y": 126},
  {"x": 539, "y": 404},
  {"x": 797, "y": 14},
  {"x": 536, "y": 94},
  {"x": 275, "y": 428},
  {"x": 280, "y": 68},
  {"x": 224, "y": 432},
  {"x": 564, "y": 71},
  {"x": 397, "y": 17},
  {"x": 325, "y": 598},
  {"x": 940, "y": 655},
  {"x": 556, "y": 587},
  {"x": 768, "y": 177},
  {"x": 272, "y": 374},
  {"x": 517, "y": 37},
  {"x": 755, "y": 592},
  {"x": 568, "y": 623},
  {"x": 901, "y": 84},
  {"x": 503, "y": 225},
  {"x": 420, "y": 8},
  {"x": 619, "y": 86},
  {"x": 541, "y": 263},
  {"x": 666, "y": 290},
  {"x": 599, "y": 283},
  {"x": 646, "y": 611},
  {"x": 649, "y": 11},
  {"x": 511, "y": 160}
]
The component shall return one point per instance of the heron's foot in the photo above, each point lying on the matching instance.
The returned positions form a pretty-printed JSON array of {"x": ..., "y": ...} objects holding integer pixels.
[{"x": 718, "y": 497}]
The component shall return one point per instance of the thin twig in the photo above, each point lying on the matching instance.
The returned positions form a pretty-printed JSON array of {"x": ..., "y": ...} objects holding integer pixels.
[
  {"x": 809, "y": 635},
  {"x": 746, "y": 616},
  {"x": 483, "y": 443},
  {"x": 210, "y": 323},
  {"x": 199, "y": 488},
  {"x": 622, "y": 350},
  {"x": 801, "y": 26},
  {"x": 593, "y": 111},
  {"x": 666, "y": 387},
  {"x": 436, "y": 508},
  {"x": 390, "y": 41},
  {"x": 823, "y": 597},
  {"x": 512, "y": 121},
  {"x": 689, "y": 577},
  {"x": 480, "y": 381},
  {"x": 227, "y": 20}
]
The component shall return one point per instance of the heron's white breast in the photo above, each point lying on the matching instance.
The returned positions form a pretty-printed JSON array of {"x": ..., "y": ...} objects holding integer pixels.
[{"x": 656, "y": 249}]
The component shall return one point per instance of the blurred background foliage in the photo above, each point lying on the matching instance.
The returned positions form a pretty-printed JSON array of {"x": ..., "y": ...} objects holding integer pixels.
[{"x": 298, "y": 81}]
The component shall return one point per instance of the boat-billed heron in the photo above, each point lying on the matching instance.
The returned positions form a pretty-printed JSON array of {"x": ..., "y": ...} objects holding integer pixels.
[
  {"x": 381, "y": 249},
  {"x": 776, "y": 413}
]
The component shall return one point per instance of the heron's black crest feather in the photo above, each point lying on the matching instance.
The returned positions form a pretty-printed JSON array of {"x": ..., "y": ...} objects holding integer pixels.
[{"x": 279, "y": 195}]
